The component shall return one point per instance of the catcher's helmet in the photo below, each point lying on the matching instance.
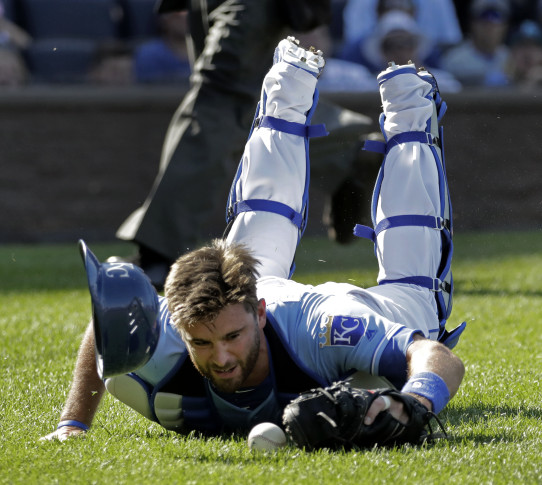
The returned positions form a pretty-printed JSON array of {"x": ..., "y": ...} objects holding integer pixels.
[{"x": 125, "y": 313}]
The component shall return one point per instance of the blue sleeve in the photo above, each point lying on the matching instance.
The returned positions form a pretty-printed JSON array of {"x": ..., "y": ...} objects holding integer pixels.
[
  {"x": 369, "y": 343},
  {"x": 392, "y": 363}
]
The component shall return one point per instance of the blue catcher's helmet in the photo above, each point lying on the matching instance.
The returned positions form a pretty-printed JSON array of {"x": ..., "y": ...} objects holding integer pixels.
[{"x": 125, "y": 313}]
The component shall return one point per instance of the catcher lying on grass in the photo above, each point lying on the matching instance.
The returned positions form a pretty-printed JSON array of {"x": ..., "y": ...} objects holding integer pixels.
[{"x": 235, "y": 340}]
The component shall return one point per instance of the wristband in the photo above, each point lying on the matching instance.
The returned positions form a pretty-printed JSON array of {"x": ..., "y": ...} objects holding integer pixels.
[
  {"x": 72, "y": 422},
  {"x": 431, "y": 386}
]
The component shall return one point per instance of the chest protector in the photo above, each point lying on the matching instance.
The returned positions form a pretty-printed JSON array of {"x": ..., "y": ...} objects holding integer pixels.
[{"x": 183, "y": 401}]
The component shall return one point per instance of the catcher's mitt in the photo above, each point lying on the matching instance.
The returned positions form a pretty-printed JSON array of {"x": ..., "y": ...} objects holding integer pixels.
[{"x": 333, "y": 417}]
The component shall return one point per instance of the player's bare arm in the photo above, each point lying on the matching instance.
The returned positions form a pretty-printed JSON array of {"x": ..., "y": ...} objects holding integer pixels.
[
  {"x": 85, "y": 393},
  {"x": 425, "y": 358}
]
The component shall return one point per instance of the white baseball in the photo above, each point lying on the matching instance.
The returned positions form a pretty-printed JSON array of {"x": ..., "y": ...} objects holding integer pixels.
[{"x": 266, "y": 436}]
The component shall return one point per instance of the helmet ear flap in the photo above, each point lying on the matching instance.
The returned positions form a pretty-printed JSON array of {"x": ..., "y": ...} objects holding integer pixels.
[
  {"x": 98, "y": 345},
  {"x": 125, "y": 312}
]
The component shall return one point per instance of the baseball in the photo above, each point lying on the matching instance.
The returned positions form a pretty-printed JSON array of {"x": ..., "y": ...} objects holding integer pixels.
[{"x": 266, "y": 436}]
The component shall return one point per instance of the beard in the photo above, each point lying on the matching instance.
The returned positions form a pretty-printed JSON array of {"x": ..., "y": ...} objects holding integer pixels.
[{"x": 246, "y": 366}]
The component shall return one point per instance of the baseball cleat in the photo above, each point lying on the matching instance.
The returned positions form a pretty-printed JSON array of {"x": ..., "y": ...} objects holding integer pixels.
[{"x": 310, "y": 60}]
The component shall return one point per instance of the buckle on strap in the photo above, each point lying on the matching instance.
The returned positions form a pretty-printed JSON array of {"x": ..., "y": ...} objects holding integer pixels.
[
  {"x": 411, "y": 136},
  {"x": 432, "y": 222},
  {"x": 433, "y": 284},
  {"x": 406, "y": 137},
  {"x": 299, "y": 129}
]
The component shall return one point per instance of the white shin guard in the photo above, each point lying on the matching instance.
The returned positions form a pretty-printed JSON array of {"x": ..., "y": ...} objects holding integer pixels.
[{"x": 411, "y": 212}]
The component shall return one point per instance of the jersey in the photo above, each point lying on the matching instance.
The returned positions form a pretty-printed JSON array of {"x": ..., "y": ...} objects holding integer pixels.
[{"x": 316, "y": 335}]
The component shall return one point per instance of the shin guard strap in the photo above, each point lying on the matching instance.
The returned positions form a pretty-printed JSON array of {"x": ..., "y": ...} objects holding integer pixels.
[
  {"x": 299, "y": 129},
  {"x": 269, "y": 206}
]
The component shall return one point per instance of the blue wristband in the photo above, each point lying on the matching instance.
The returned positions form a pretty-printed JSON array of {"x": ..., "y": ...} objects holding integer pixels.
[
  {"x": 72, "y": 422},
  {"x": 431, "y": 386}
]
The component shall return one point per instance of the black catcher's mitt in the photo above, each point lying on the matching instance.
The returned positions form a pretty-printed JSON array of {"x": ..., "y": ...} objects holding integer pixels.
[{"x": 333, "y": 418}]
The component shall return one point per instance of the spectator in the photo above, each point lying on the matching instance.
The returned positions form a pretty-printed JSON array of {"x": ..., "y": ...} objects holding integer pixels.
[
  {"x": 13, "y": 41},
  {"x": 482, "y": 59},
  {"x": 166, "y": 58},
  {"x": 398, "y": 38},
  {"x": 339, "y": 74},
  {"x": 526, "y": 56},
  {"x": 112, "y": 64},
  {"x": 437, "y": 19},
  {"x": 521, "y": 10}
]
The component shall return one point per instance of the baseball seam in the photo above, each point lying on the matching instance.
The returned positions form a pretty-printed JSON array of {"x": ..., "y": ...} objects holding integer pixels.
[{"x": 265, "y": 438}]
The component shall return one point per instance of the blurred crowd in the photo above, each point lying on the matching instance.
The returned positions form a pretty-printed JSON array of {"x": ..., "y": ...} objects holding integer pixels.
[{"x": 466, "y": 44}]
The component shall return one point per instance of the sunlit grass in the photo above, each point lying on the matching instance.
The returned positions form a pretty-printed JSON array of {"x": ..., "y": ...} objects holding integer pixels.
[{"x": 494, "y": 422}]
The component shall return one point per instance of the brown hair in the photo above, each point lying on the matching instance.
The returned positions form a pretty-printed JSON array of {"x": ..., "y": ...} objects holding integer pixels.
[{"x": 202, "y": 282}]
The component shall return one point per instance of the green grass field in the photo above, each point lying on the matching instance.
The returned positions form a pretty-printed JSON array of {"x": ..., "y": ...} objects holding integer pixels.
[{"x": 494, "y": 422}]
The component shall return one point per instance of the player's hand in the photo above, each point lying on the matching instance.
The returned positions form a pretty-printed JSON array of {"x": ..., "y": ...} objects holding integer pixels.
[
  {"x": 62, "y": 434},
  {"x": 395, "y": 408}
]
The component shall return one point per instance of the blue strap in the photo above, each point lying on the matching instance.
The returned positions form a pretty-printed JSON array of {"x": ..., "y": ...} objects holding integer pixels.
[
  {"x": 410, "y": 136},
  {"x": 442, "y": 107},
  {"x": 269, "y": 206},
  {"x": 375, "y": 146},
  {"x": 406, "y": 137},
  {"x": 299, "y": 129},
  {"x": 73, "y": 422},
  {"x": 387, "y": 75},
  {"x": 432, "y": 222},
  {"x": 434, "y": 284},
  {"x": 451, "y": 338},
  {"x": 365, "y": 232}
]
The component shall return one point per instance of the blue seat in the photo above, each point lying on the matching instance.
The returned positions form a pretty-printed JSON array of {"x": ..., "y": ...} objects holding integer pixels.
[
  {"x": 83, "y": 19},
  {"x": 65, "y": 61}
]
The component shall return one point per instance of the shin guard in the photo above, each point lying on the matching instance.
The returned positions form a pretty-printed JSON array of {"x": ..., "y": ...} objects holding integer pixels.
[{"x": 436, "y": 216}]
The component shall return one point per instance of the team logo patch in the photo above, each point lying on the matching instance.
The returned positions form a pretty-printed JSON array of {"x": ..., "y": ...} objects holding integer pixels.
[{"x": 343, "y": 331}]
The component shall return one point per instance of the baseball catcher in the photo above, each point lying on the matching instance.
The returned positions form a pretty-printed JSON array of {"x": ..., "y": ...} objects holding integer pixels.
[{"x": 236, "y": 341}]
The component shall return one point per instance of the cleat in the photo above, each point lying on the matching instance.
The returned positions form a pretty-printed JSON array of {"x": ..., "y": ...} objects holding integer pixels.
[{"x": 289, "y": 51}]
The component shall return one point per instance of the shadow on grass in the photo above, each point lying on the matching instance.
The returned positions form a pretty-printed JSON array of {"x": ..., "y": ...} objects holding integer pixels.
[
  {"x": 49, "y": 267},
  {"x": 497, "y": 292},
  {"x": 485, "y": 417},
  {"x": 58, "y": 267}
]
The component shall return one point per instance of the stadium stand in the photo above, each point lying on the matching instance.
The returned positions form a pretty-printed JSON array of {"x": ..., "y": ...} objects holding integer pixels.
[{"x": 66, "y": 34}]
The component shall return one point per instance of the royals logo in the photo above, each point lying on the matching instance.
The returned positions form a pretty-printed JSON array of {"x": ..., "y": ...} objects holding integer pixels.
[{"x": 343, "y": 331}]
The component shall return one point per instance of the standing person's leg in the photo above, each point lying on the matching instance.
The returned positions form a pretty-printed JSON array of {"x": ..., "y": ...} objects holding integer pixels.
[
  {"x": 208, "y": 130},
  {"x": 207, "y": 134}
]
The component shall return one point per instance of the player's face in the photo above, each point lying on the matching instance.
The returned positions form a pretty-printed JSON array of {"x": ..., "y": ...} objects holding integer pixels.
[{"x": 230, "y": 352}]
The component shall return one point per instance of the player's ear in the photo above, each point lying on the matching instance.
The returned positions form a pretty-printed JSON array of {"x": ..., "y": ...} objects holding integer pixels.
[{"x": 261, "y": 313}]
